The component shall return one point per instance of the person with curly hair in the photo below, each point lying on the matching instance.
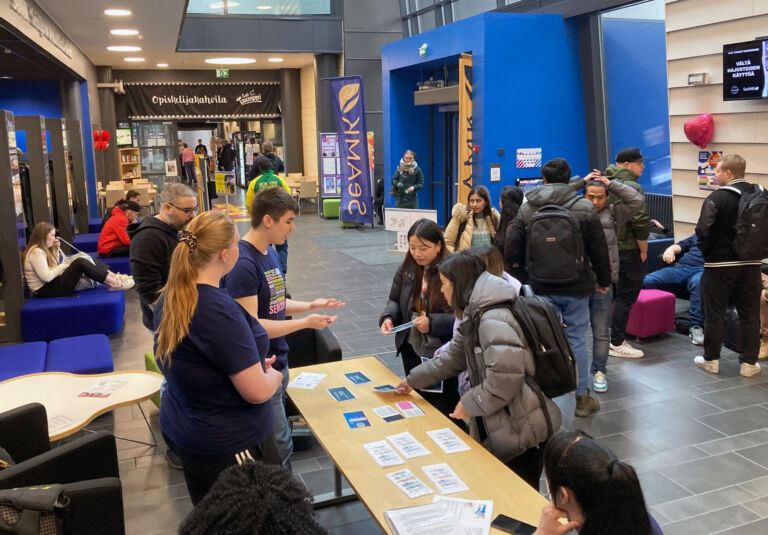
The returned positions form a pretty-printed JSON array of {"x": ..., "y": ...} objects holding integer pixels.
[{"x": 252, "y": 498}]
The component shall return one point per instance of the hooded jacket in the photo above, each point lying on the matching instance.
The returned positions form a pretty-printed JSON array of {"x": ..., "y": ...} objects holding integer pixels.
[
  {"x": 401, "y": 182},
  {"x": 592, "y": 233},
  {"x": 638, "y": 228},
  {"x": 152, "y": 245},
  {"x": 511, "y": 412},
  {"x": 114, "y": 233},
  {"x": 614, "y": 215},
  {"x": 461, "y": 213}
]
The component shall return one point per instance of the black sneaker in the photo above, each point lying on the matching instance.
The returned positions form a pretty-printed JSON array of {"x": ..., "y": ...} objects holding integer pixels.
[
  {"x": 586, "y": 405},
  {"x": 173, "y": 460}
]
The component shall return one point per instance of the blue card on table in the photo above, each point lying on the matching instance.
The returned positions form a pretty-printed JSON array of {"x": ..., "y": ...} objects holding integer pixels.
[
  {"x": 341, "y": 393},
  {"x": 356, "y": 419},
  {"x": 357, "y": 377},
  {"x": 385, "y": 388}
]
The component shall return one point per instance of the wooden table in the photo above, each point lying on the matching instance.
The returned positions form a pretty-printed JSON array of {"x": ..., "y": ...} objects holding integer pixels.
[
  {"x": 487, "y": 477},
  {"x": 60, "y": 393}
]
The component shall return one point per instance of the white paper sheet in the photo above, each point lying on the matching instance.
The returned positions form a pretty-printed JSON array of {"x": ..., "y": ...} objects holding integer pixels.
[
  {"x": 411, "y": 485},
  {"x": 307, "y": 380},
  {"x": 474, "y": 515},
  {"x": 448, "y": 441},
  {"x": 431, "y": 519},
  {"x": 383, "y": 453},
  {"x": 407, "y": 445},
  {"x": 444, "y": 478}
]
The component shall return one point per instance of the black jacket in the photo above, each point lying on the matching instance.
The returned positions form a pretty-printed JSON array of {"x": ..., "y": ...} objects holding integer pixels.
[
  {"x": 399, "y": 308},
  {"x": 152, "y": 245},
  {"x": 717, "y": 221},
  {"x": 227, "y": 158},
  {"x": 277, "y": 164},
  {"x": 595, "y": 245}
]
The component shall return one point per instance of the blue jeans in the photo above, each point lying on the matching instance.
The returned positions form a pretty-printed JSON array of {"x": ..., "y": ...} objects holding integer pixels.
[
  {"x": 574, "y": 311},
  {"x": 680, "y": 281},
  {"x": 283, "y": 438},
  {"x": 600, "y": 318},
  {"x": 282, "y": 252}
]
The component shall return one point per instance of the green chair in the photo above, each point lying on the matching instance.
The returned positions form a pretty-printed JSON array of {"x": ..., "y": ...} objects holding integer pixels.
[{"x": 151, "y": 366}]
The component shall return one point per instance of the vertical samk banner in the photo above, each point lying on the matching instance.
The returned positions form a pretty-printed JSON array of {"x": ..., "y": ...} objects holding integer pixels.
[
  {"x": 466, "y": 154},
  {"x": 356, "y": 201}
]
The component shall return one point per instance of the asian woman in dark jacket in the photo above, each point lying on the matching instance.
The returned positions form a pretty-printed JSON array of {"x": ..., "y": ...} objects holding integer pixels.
[{"x": 415, "y": 296}]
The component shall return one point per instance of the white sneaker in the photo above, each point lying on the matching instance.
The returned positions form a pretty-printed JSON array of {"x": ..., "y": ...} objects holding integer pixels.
[
  {"x": 625, "y": 351},
  {"x": 696, "y": 334},
  {"x": 126, "y": 283},
  {"x": 748, "y": 370},
  {"x": 711, "y": 366},
  {"x": 599, "y": 382}
]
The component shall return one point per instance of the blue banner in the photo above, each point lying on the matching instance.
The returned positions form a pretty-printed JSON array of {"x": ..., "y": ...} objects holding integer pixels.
[{"x": 356, "y": 201}]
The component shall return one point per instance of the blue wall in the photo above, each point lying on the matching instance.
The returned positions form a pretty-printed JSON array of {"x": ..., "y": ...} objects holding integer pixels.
[
  {"x": 527, "y": 93},
  {"x": 30, "y": 98},
  {"x": 636, "y": 91}
]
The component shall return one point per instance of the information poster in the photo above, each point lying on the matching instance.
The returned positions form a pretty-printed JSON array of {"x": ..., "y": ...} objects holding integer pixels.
[
  {"x": 330, "y": 164},
  {"x": 708, "y": 161}
]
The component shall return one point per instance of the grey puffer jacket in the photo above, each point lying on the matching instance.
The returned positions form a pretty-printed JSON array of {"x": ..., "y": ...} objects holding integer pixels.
[
  {"x": 614, "y": 215},
  {"x": 497, "y": 364}
]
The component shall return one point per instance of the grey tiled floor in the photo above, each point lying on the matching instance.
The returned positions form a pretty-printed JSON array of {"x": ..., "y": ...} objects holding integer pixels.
[{"x": 699, "y": 442}]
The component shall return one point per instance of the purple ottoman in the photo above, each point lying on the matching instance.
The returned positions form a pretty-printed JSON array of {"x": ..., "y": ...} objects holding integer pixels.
[{"x": 653, "y": 313}]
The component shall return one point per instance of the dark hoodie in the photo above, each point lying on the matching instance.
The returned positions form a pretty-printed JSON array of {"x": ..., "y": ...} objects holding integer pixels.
[
  {"x": 592, "y": 233},
  {"x": 152, "y": 245}
]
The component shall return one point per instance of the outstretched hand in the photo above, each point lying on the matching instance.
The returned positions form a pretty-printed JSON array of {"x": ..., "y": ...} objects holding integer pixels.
[
  {"x": 320, "y": 303},
  {"x": 319, "y": 321}
]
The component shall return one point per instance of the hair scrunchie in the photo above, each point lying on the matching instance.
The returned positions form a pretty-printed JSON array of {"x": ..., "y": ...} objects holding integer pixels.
[{"x": 189, "y": 238}]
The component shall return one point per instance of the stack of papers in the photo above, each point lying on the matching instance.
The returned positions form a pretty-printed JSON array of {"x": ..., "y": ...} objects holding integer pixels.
[{"x": 444, "y": 516}]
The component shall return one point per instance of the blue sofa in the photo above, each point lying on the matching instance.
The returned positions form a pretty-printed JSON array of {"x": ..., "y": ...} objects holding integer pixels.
[{"x": 76, "y": 354}]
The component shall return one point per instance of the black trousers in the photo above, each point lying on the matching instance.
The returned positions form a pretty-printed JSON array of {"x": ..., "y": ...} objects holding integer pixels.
[
  {"x": 445, "y": 401},
  {"x": 201, "y": 471},
  {"x": 529, "y": 464},
  {"x": 120, "y": 250},
  {"x": 631, "y": 273},
  {"x": 740, "y": 285},
  {"x": 65, "y": 283}
]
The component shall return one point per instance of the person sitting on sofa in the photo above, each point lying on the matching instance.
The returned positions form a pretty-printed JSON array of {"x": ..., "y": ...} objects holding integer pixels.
[
  {"x": 682, "y": 277},
  {"x": 114, "y": 239},
  {"x": 131, "y": 195},
  {"x": 50, "y": 274}
]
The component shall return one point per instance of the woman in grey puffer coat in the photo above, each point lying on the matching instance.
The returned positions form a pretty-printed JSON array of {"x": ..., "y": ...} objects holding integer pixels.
[{"x": 505, "y": 414}]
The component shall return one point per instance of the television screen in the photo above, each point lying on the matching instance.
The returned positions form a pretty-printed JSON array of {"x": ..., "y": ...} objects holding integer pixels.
[
  {"x": 123, "y": 137},
  {"x": 528, "y": 184},
  {"x": 744, "y": 70}
]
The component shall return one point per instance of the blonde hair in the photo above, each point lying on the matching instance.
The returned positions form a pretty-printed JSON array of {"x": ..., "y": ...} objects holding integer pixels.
[
  {"x": 37, "y": 239},
  {"x": 206, "y": 235},
  {"x": 491, "y": 256},
  {"x": 735, "y": 164}
]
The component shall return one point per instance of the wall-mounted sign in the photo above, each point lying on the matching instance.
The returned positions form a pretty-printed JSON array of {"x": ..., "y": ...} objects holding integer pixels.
[
  {"x": 202, "y": 100},
  {"x": 39, "y": 21},
  {"x": 708, "y": 161},
  {"x": 222, "y": 73}
]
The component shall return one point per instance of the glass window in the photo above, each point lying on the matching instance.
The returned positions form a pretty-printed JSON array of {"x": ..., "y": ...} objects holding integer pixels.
[
  {"x": 427, "y": 21},
  {"x": 468, "y": 8},
  {"x": 260, "y": 7}
]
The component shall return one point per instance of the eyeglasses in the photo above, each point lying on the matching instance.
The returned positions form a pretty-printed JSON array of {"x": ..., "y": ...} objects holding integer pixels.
[{"x": 185, "y": 210}]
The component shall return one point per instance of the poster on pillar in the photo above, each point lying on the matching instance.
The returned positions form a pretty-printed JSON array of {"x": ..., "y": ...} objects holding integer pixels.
[
  {"x": 349, "y": 111},
  {"x": 466, "y": 139},
  {"x": 202, "y": 100}
]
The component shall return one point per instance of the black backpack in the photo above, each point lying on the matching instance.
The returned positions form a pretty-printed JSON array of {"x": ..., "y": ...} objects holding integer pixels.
[
  {"x": 751, "y": 241},
  {"x": 554, "y": 246}
]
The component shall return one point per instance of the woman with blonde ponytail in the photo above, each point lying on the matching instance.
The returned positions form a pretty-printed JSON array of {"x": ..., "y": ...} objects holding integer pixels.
[{"x": 213, "y": 354}]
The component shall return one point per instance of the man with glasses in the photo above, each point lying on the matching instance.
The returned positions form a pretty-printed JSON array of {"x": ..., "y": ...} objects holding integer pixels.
[{"x": 153, "y": 241}]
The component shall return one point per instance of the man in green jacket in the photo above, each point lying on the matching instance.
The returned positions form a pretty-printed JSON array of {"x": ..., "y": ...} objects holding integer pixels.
[{"x": 633, "y": 252}]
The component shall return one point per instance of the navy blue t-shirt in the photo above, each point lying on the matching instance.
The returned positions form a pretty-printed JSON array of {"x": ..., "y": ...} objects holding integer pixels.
[
  {"x": 202, "y": 411},
  {"x": 259, "y": 274}
]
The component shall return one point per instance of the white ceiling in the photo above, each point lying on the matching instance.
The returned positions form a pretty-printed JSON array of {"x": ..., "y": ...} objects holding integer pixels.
[{"x": 158, "y": 23}]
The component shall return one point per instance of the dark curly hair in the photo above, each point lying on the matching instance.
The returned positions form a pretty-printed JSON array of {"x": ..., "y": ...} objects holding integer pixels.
[{"x": 254, "y": 498}]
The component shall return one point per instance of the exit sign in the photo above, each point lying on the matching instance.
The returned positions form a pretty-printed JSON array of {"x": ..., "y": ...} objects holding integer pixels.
[{"x": 222, "y": 73}]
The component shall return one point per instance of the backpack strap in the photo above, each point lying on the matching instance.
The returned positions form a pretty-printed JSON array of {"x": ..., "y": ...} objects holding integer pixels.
[
  {"x": 570, "y": 203},
  {"x": 737, "y": 191},
  {"x": 533, "y": 385}
]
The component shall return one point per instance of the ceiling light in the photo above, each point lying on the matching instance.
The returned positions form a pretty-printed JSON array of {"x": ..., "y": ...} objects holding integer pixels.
[
  {"x": 117, "y": 12},
  {"x": 123, "y": 48},
  {"x": 220, "y": 5},
  {"x": 161, "y": 65},
  {"x": 263, "y": 8},
  {"x": 230, "y": 61},
  {"x": 134, "y": 60},
  {"x": 275, "y": 60},
  {"x": 124, "y": 32},
  {"x": 5, "y": 77}
]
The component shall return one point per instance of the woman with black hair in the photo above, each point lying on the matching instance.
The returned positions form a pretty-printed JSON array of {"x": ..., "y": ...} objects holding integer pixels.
[
  {"x": 472, "y": 224},
  {"x": 510, "y": 200},
  {"x": 597, "y": 493},
  {"x": 505, "y": 413},
  {"x": 415, "y": 296}
]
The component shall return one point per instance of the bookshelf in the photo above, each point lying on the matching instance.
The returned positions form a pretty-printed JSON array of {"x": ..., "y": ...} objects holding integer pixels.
[{"x": 130, "y": 163}]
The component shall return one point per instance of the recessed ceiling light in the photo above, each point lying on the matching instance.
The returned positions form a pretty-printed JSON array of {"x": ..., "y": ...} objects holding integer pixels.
[
  {"x": 275, "y": 60},
  {"x": 134, "y": 60},
  {"x": 117, "y": 12},
  {"x": 124, "y": 32},
  {"x": 123, "y": 48},
  {"x": 263, "y": 8},
  {"x": 162, "y": 65},
  {"x": 230, "y": 61},
  {"x": 5, "y": 77},
  {"x": 220, "y": 5}
]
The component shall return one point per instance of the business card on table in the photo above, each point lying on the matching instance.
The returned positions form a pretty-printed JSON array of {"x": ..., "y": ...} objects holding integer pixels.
[
  {"x": 358, "y": 378},
  {"x": 356, "y": 419},
  {"x": 411, "y": 485},
  {"x": 444, "y": 478},
  {"x": 387, "y": 413},
  {"x": 341, "y": 393},
  {"x": 383, "y": 453},
  {"x": 407, "y": 445},
  {"x": 409, "y": 409},
  {"x": 307, "y": 380},
  {"x": 448, "y": 441},
  {"x": 386, "y": 389}
]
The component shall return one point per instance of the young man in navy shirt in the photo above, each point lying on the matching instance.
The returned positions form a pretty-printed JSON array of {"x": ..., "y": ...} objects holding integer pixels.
[{"x": 258, "y": 284}]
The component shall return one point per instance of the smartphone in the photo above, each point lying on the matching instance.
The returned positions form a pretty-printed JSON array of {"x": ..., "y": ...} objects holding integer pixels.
[{"x": 510, "y": 525}]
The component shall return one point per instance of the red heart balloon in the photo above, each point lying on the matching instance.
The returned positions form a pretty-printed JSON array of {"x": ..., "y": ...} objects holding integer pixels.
[
  {"x": 105, "y": 135},
  {"x": 700, "y": 130}
]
